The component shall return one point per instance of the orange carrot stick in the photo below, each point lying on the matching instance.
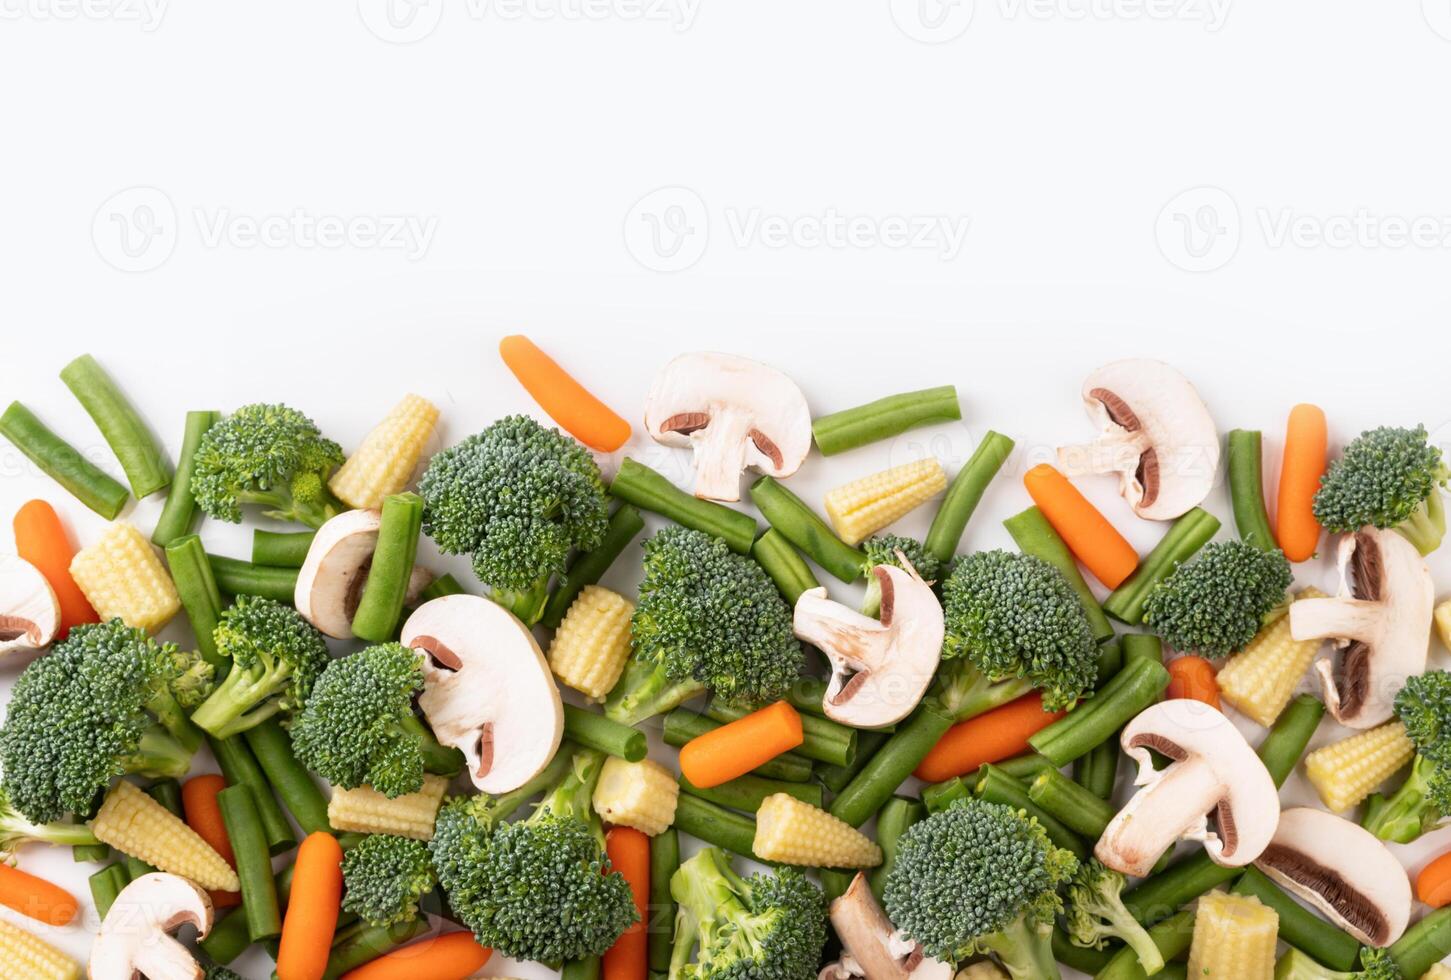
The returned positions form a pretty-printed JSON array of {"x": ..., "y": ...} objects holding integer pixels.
[
  {"x": 312, "y": 909},
  {"x": 578, "y": 412},
  {"x": 1088, "y": 534},
  {"x": 629, "y": 853},
  {"x": 1192, "y": 678},
  {"x": 1433, "y": 884},
  {"x": 41, "y": 540},
  {"x": 204, "y": 815},
  {"x": 36, "y": 897},
  {"x": 451, "y": 957},
  {"x": 736, "y": 748},
  {"x": 1304, "y": 463},
  {"x": 992, "y": 737}
]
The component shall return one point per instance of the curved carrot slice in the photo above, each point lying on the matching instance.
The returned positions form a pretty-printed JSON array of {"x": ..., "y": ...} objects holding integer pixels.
[
  {"x": 1192, "y": 678},
  {"x": 990, "y": 737},
  {"x": 566, "y": 401},
  {"x": 1306, "y": 439},
  {"x": 1088, "y": 534},
  {"x": 41, "y": 539},
  {"x": 450, "y": 957},
  {"x": 36, "y": 897},
  {"x": 1433, "y": 884},
  {"x": 735, "y": 749}
]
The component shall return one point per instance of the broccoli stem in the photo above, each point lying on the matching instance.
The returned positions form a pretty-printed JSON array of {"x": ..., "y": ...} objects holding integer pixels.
[
  {"x": 595, "y": 731},
  {"x": 171, "y": 716},
  {"x": 963, "y": 495},
  {"x": 1286, "y": 742},
  {"x": 179, "y": 515},
  {"x": 787, "y": 568},
  {"x": 1024, "y": 949},
  {"x": 526, "y": 604},
  {"x": 1094, "y": 721},
  {"x": 1100, "y": 912},
  {"x": 1171, "y": 936},
  {"x": 570, "y": 797},
  {"x": 1189, "y": 533},
  {"x": 894, "y": 819},
  {"x": 645, "y": 690},
  {"x": 966, "y": 692},
  {"x": 892, "y": 764},
  {"x": 503, "y": 806},
  {"x": 660, "y": 926},
  {"x": 281, "y": 505},
  {"x": 244, "y": 699},
  {"x": 381, "y": 605},
  {"x": 243, "y": 578},
  {"x": 1247, "y": 489},
  {"x": 1408, "y": 812},
  {"x": 439, "y": 759},
  {"x": 637, "y": 484},
  {"x": 1300, "y": 927},
  {"x": 281, "y": 549},
  {"x": 1424, "y": 944},
  {"x": 200, "y": 597},
  {"x": 884, "y": 418},
  {"x": 682, "y": 725},
  {"x": 1427, "y": 524},
  {"x": 121, "y": 425},
  {"x": 62, "y": 462},
  {"x": 158, "y": 753},
  {"x": 996, "y": 786},
  {"x": 1034, "y": 536},
  {"x": 591, "y": 566},
  {"x": 800, "y": 525},
  {"x": 60, "y": 832}
]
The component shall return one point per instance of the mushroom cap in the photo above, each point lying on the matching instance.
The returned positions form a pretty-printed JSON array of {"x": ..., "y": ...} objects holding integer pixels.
[
  {"x": 1382, "y": 616},
  {"x": 1343, "y": 870},
  {"x": 487, "y": 689},
  {"x": 135, "y": 936},
  {"x": 867, "y": 937},
  {"x": 1157, "y": 435},
  {"x": 880, "y": 667},
  {"x": 29, "y": 610},
  {"x": 735, "y": 413},
  {"x": 331, "y": 580}
]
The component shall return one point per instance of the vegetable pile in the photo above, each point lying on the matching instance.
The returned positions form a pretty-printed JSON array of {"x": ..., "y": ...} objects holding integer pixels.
[{"x": 931, "y": 770}]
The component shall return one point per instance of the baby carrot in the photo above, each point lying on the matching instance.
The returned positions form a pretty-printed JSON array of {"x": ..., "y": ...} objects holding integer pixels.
[
  {"x": 735, "y": 749},
  {"x": 451, "y": 957},
  {"x": 566, "y": 401},
  {"x": 1304, "y": 464},
  {"x": 629, "y": 853},
  {"x": 312, "y": 909},
  {"x": 1192, "y": 678},
  {"x": 41, "y": 540},
  {"x": 1433, "y": 884},
  {"x": 204, "y": 815},
  {"x": 991, "y": 737},
  {"x": 35, "y": 897},
  {"x": 1088, "y": 534}
]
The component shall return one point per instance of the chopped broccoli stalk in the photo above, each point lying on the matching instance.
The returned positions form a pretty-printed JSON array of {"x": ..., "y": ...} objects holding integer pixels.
[
  {"x": 1375, "y": 964},
  {"x": 271, "y": 456},
  {"x": 883, "y": 549},
  {"x": 384, "y": 878},
  {"x": 15, "y": 830},
  {"x": 1096, "y": 914},
  {"x": 1389, "y": 478},
  {"x": 1216, "y": 603},
  {"x": 1424, "y": 799}
]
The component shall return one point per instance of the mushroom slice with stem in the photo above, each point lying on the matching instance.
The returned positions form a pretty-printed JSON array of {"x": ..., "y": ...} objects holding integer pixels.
[
  {"x": 29, "y": 610},
  {"x": 870, "y": 947},
  {"x": 1157, "y": 435},
  {"x": 1212, "y": 768},
  {"x": 135, "y": 937},
  {"x": 331, "y": 582},
  {"x": 735, "y": 413},
  {"x": 487, "y": 690},
  {"x": 1343, "y": 870},
  {"x": 879, "y": 668},
  {"x": 1381, "y": 618}
]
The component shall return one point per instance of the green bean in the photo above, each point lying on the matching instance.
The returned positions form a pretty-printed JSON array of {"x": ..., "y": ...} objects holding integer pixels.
[
  {"x": 381, "y": 605},
  {"x": 893, "y": 820},
  {"x": 281, "y": 549},
  {"x": 167, "y": 792},
  {"x": 1189, "y": 533},
  {"x": 254, "y": 862},
  {"x": 1026, "y": 766},
  {"x": 963, "y": 495},
  {"x": 238, "y": 577},
  {"x": 369, "y": 943},
  {"x": 996, "y": 786},
  {"x": 135, "y": 867},
  {"x": 441, "y": 760},
  {"x": 178, "y": 517},
  {"x": 229, "y": 937},
  {"x": 90, "y": 852},
  {"x": 835, "y": 882},
  {"x": 1034, "y": 536},
  {"x": 664, "y": 860},
  {"x": 1094, "y": 721},
  {"x": 800, "y": 525},
  {"x": 1424, "y": 944},
  {"x": 1082, "y": 959},
  {"x": 684, "y": 724},
  {"x": 1097, "y": 770},
  {"x": 835, "y": 778},
  {"x": 784, "y": 564},
  {"x": 1172, "y": 936},
  {"x": 886, "y": 417},
  {"x": 595, "y": 731},
  {"x": 1299, "y": 926},
  {"x": 1283, "y": 746},
  {"x": 1110, "y": 662},
  {"x": 200, "y": 597},
  {"x": 715, "y": 825},
  {"x": 444, "y": 585},
  {"x": 106, "y": 884},
  {"x": 291, "y": 781},
  {"x": 637, "y": 484},
  {"x": 121, "y": 425},
  {"x": 745, "y": 793},
  {"x": 239, "y": 768},
  {"x": 1141, "y": 646},
  {"x": 587, "y": 569},
  {"x": 1077, "y": 808},
  {"x": 1159, "y": 896},
  {"x": 1247, "y": 489},
  {"x": 939, "y": 796},
  {"x": 822, "y": 739},
  {"x": 808, "y": 694},
  {"x": 62, "y": 462},
  {"x": 583, "y": 969},
  {"x": 891, "y": 764}
]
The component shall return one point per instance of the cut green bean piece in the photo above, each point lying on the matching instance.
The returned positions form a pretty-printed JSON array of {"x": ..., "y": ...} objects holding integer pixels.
[
  {"x": 893, "y": 819},
  {"x": 200, "y": 597},
  {"x": 1299, "y": 926},
  {"x": 799, "y": 524},
  {"x": 237, "y": 577},
  {"x": 835, "y": 882},
  {"x": 106, "y": 884},
  {"x": 637, "y": 484},
  {"x": 1172, "y": 936},
  {"x": 1110, "y": 661},
  {"x": 595, "y": 731},
  {"x": 1159, "y": 896},
  {"x": 1084, "y": 960},
  {"x": 664, "y": 861},
  {"x": 229, "y": 937},
  {"x": 1285, "y": 744},
  {"x": 62, "y": 462},
  {"x": 1026, "y": 766},
  {"x": 381, "y": 607},
  {"x": 1097, "y": 770},
  {"x": 121, "y": 425},
  {"x": 1075, "y": 807},
  {"x": 1426, "y": 943},
  {"x": 178, "y": 517},
  {"x": 823, "y": 739},
  {"x": 370, "y": 942},
  {"x": 291, "y": 781},
  {"x": 281, "y": 549},
  {"x": 90, "y": 852},
  {"x": 1093, "y": 722},
  {"x": 1141, "y": 646},
  {"x": 684, "y": 724},
  {"x": 784, "y": 564},
  {"x": 886, "y": 417},
  {"x": 254, "y": 862},
  {"x": 1034, "y": 536},
  {"x": 239, "y": 768},
  {"x": 583, "y": 969},
  {"x": 835, "y": 778},
  {"x": 1247, "y": 489},
  {"x": 444, "y": 585},
  {"x": 716, "y": 825},
  {"x": 745, "y": 793},
  {"x": 964, "y": 494},
  {"x": 1189, "y": 533},
  {"x": 939, "y": 796},
  {"x": 996, "y": 786},
  {"x": 891, "y": 764},
  {"x": 587, "y": 569}
]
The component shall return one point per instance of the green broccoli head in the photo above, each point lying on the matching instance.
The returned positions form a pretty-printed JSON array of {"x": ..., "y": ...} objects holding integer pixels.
[
  {"x": 540, "y": 889},
  {"x": 1216, "y": 603},
  {"x": 706, "y": 618},
  {"x": 1096, "y": 915},
  {"x": 269, "y": 455},
  {"x": 516, "y": 497},
  {"x": 384, "y": 877},
  {"x": 1015, "y": 616},
  {"x": 217, "y": 972},
  {"x": 1388, "y": 478},
  {"x": 276, "y": 657},
  {"x": 882, "y": 549},
  {"x": 765, "y": 927},
  {"x": 1424, "y": 799},
  {"x": 99, "y": 705},
  {"x": 979, "y": 877}
]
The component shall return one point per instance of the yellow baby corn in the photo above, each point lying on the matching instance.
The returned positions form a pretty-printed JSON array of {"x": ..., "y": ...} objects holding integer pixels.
[
  {"x": 636, "y": 794},
  {"x": 793, "y": 832},
  {"x": 1439, "y": 971},
  {"x": 593, "y": 642},
  {"x": 122, "y": 577},
  {"x": 27, "y": 955},
  {"x": 388, "y": 455},
  {"x": 366, "y": 811},
  {"x": 862, "y": 507},
  {"x": 1260, "y": 680},
  {"x": 135, "y": 824},
  {"x": 1234, "y": 938},
  {"x": 1347, "y": 771},
  {"x": 1442, "y": 618}
]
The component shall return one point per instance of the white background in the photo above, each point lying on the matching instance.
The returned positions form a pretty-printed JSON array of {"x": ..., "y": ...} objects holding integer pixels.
[{"x": 282, "y": 202}]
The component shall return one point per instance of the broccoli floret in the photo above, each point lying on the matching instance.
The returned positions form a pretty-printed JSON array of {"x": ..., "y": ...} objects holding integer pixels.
[
  {"x": 882, "y": 550},
  {"x": 1015, "y": 616},
  {"x": 215, "y": 972},
  {"x": 980, "y": 877},
  {"x": 1096, "y": 915},
  {"x": 1375, "y": 964},
  {"x": 15, "y": 830},
  {"x": 538, "y": 889},
  {"x": 765, "y": 927},
  {"x": 269, "y": 455},
  {"x": 384, "y": 877},
  {"x": 1424, "y": 799},
  {"x": 99, "y": 705},
  {"x": 706, "y": 618},
  {"x": 1388, "y": 478},
  {"x": 358, "y": 727},
  {"x": 276, "y": 657},
  {"x": 1216, "y": 603},
  {"x": 516, "y": 497}
]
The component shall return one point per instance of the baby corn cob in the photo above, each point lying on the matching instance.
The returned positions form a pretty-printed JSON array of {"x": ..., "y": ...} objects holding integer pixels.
[
  {"x": 1346, "y": 772},
  {"x": 593, "y": 642},
  {"x": 388, "y": 455},
  {"x": 793, "y": 832},
  {"x": 1442, "y": 618},
  {"x": 27, "y": 955},
  {"x": 1438, "y": 972},
  {"x": 122, "y": 577},
  {"x": 135, "y": 824},
  {"x": 366, "y": 811},
  {"x": 863, "y": 507},
  {"x": 1260, "y": 680},
  {"x": 1234, "y": 938},
  {"x": 636, "y": 794}
]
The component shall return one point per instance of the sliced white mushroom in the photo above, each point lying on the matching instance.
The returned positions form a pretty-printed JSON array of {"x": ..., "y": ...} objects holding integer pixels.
[
  {"x": 1157, "y": 435},
  {"x": 487, "y": 689},
  {"x": 29, "y": 610},
  {"x": 735, "y": 413},
  {"x": 331, "y": 581},
  {"x": 1343, "y": 870},
  {"x": 870, "y": 946},
  {"x": 1212, "y": 768},
  {"x": 135, "y": 937},
  {"x": 880, "y": 668},
  {"x": 1381, "y": 619}
]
